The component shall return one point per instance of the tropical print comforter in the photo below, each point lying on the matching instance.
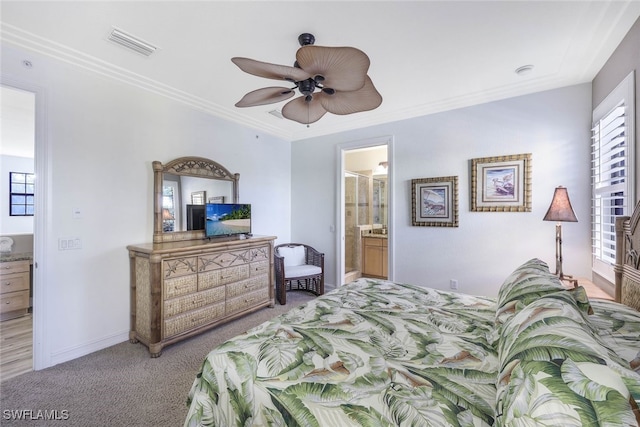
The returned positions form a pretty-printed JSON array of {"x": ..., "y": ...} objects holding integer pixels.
[{"x": 377, "y": 353}]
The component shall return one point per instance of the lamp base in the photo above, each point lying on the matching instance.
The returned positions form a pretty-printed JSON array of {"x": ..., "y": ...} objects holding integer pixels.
[
  {"x": 567, "y": 278},
  {"x": 559, "y": 273}
]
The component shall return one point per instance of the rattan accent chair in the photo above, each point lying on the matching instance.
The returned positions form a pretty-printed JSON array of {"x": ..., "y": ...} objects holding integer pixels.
[{"x": 298, "y": 267}]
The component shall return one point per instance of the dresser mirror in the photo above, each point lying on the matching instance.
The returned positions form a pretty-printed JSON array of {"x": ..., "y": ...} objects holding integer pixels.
[{"x": 181, "y": 188}]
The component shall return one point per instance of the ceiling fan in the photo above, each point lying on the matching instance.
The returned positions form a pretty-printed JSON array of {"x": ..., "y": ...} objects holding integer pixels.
[{"x": 330, "y": 79}]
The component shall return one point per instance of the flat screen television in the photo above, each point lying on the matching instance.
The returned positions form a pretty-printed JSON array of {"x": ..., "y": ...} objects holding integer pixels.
[
  {"x": 195, "y": 217},
  {"x": 227, "y": 219}
]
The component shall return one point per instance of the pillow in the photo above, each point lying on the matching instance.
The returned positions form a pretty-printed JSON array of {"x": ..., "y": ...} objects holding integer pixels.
[
  {"x": 530, "y": 282},
  {"x": 554, "y": 370},
  {"x": 293, "y": 255},
  {"x": 527, "y": 283}
]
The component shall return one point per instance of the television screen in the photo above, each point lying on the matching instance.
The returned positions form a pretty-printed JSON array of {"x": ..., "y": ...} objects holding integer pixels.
[{"x": 225, "y": 219}]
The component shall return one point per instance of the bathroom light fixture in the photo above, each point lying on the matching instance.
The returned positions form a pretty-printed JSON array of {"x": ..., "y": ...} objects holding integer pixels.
[{"x": 381, "y": 169}]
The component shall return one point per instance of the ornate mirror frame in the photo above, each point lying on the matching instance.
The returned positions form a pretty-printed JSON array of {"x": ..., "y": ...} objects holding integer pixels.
[{"x": 198, "y": 167}]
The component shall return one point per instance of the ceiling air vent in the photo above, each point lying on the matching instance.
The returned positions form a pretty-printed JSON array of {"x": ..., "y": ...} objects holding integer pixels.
[{"x": 130, "y": 42}]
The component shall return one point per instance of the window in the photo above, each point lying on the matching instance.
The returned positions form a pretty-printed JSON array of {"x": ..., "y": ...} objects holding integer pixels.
[
  {"x": 21, "y": 193},
  {"x": 612, "y": 152}
]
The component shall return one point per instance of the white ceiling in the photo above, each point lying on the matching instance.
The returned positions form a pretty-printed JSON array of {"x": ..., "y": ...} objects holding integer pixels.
[{"x": 426, "y": 56}]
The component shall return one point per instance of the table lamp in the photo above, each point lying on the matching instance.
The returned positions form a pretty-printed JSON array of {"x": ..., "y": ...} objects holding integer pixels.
[{"x": 560, "y": 211}]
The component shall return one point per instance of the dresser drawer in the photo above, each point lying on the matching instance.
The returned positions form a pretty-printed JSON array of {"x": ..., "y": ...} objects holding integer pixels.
[
  {"x": 222, "y": 276},
  {"x": 247, "y": 286},
  {"x": 14, "y": 301},
  {"x": 186, "y": 303},
  {"x": 14, "y": 282},
  {"x": 246, "y": 301},
  {"x": 191, "y": 320},
  {"x": 180, "y": 286},
  {"x": 260, "y": 253},
  {"x": 258, "y": 268},
  {"x": 14, "y": 267},
  {"x": 179, "y": 267}
]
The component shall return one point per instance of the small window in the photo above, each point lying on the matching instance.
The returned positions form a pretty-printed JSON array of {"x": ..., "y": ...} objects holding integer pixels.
[{"x": 21, "y": 193}]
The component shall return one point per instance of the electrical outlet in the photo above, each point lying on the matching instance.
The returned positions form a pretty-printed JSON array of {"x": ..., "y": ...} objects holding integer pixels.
[{"x": 453, "y": 284}]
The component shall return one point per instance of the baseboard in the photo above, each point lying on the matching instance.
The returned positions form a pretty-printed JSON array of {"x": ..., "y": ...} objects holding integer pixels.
[
  {"x": 82, "y": 350},
  {"x": 603, "y": 283}
]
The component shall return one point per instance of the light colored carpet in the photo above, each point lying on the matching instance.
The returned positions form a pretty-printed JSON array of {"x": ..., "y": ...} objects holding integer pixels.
[{"x": 121, "y": 385}]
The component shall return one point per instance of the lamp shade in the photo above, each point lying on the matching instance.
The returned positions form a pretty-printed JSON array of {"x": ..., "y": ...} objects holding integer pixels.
[
  {"x": 560, "y": 208},
  {"x": 166, "y": 214}
]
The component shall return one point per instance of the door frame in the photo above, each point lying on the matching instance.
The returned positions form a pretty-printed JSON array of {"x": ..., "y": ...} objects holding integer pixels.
[
  {"x": 340, "y": 211},
  {"x": 41, "y": 350}
]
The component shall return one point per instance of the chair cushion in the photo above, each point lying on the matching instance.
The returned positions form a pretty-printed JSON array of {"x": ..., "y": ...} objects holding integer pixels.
[
  {"x": 293, "y": 271},
  {"x": 293, "y": 255}
]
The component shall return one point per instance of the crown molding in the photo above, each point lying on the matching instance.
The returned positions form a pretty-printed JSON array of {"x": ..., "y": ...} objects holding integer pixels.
[{"x": 34, "y": 43}]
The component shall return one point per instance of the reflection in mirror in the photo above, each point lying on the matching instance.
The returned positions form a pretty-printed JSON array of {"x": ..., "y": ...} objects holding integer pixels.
[
  {"x": 182, "y": 187},
  {"x": 380, "y": 201},
  {"x": 181, "y": 193}
]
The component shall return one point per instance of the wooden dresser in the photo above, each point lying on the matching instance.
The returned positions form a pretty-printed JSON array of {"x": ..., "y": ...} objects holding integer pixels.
[
  {"x": 14, "y": 289},
  {"x": 180, "y": 289}
]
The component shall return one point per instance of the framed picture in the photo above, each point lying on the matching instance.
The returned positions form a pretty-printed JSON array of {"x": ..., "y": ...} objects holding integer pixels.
[
  {"x": 198, "y": 197},
  {"x": 434, "y": 202},
  {"x": 216, "y": 199},
  {"x": 501, "y": 184}
]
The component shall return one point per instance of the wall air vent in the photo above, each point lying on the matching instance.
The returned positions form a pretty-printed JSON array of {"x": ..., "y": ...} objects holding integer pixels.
[
  {"x": 276, "y": 113},
  {"x": 130, "y": 42}
]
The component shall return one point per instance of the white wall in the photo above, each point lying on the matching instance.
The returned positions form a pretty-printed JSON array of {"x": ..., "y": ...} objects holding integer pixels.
[
  {"x": 13, "y": 224},
  {"x": 486, "y": 247},
  {"x": 101, "y": 137}
]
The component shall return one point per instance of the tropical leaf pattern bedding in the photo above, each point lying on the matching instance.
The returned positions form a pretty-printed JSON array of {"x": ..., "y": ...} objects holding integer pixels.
[
  {"x": 377, "y": 353},
  {"x": 372, "y": 353}
]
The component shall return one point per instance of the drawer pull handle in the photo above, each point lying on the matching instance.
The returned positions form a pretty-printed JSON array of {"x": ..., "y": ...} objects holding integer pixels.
[{"x": 8, "y": 283}]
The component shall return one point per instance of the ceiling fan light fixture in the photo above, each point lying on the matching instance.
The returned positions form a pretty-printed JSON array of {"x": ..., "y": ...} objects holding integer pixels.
[{"x": 340, "y": 74}]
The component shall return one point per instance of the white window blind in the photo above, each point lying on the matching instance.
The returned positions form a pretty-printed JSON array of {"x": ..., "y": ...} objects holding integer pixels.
[{"x": 611, "y": 173}]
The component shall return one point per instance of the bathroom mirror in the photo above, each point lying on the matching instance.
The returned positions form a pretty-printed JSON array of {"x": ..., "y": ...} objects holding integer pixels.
[{"x": 180, "y": 188}]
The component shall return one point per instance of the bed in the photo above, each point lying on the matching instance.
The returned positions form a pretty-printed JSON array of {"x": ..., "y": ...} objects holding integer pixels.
[{"x": 378, "y": 353}]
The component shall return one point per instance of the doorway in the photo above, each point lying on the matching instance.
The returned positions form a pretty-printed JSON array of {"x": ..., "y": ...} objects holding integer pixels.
[
  {"x": 365, "y": 210},
  {"x": 38, "y": 151},
  {"x": 17, "y": 157}
]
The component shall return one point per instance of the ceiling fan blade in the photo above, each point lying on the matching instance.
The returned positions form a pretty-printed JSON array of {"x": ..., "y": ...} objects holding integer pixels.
[
  {"x": 343, "y": 68},
  {"x": 350, "y": 102},
  {"x": 302, "y": 111},
  {"x": 267, "y": 95},
  {"x": 270, "y": 71}
]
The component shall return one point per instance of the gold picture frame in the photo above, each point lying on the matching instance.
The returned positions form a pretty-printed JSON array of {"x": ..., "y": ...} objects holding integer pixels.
[
  {"x": 501, "y": 183},
  {"x": 434, "y": 202}
]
